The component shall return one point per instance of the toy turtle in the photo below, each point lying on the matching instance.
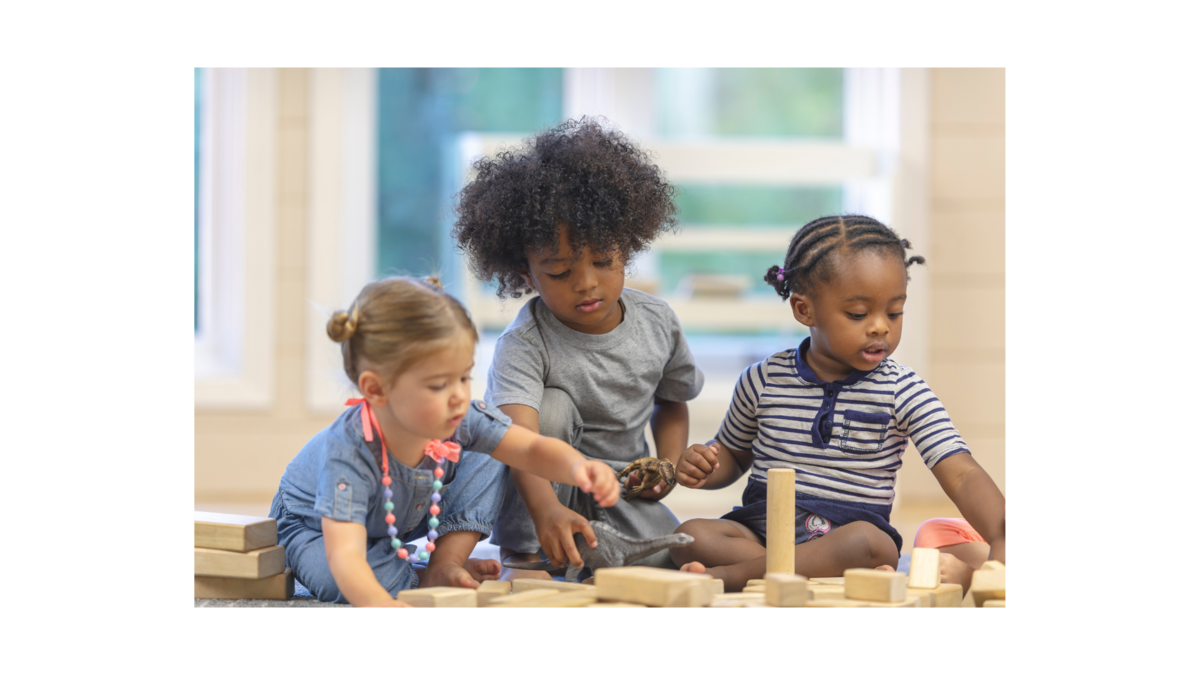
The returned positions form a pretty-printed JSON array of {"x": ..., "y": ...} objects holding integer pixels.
[{"x": 651, "y": 471}]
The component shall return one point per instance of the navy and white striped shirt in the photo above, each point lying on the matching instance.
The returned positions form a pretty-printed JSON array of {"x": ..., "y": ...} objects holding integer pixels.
[{"x": 843, "y": 438}]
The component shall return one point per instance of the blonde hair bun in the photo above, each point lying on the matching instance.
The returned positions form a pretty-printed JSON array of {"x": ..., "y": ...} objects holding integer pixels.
[{"x": 340, "y": 327}]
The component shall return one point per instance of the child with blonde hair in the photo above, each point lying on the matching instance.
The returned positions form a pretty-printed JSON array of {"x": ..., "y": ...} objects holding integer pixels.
[
  {"x": 840, "y": 413},
  {"x": 383, "y": 474}
]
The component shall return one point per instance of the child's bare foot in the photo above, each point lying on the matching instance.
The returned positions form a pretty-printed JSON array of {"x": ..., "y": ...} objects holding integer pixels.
[
  {"x": 483, "y": 569},
  {"x": 508, "y": 574},
  {"x": 955, "y": 571},
  {"x": 886, "y": 568},
  {"x": 694, "y": 568}
]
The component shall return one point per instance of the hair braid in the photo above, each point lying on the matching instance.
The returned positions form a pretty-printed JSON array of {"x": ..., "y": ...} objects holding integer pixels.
[{"x": 807, "y": 263}]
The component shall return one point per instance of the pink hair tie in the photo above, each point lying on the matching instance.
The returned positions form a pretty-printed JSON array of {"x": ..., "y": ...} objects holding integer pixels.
[{"x": 779, "y": 277}]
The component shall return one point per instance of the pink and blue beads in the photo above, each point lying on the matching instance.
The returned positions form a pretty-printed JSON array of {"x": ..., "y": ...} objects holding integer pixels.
[{"x": 434, "y": 510}]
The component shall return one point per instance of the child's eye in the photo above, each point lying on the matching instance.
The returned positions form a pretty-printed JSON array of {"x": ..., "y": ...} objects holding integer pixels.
[
  {"x": 856, "y": 317},
  {"x": 466, "y": 378},
  {"x": 438, "y": 387},
  {"x": 563, "y": 275},
  {"x": 605, "y": 263},
  {"x": 895, "y": 315}
]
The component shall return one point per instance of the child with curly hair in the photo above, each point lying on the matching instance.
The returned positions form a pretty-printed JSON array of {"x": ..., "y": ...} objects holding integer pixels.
[
  {"x": 383, "y": 474},
  {"x": 586, "y": 360},
  {"x": 840, "y": 413}
]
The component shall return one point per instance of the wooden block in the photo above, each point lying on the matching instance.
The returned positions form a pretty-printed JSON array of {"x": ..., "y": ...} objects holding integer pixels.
[
  {"x": 838, "y": 581},
  {"x": 228, "y": 532},
  {"x": 548, "y": 597},
  {"x": 718, "y": 586},
  {"x": 987, "y": 583},
  {"x": 438, "y": 596},
  {"x": 491, "y": 589},
  {"x": 826, "y": 592},
  {"x": 522, "y": 585},
  {"x": 925, "y": 570},
  {"x": 786, "y": 590},
  {"x": 257, "y": 564},
  {"x": 847, "y": 602},
  {"x": 834, "y": 602},
  {"x": 926, "y": 597},
  {"x": 736, "y": 599},
  {"x": 654, "y": 587},
  {"x": 523, "y": 596},
  {"x": 948, "y": 595},
  {"x": 968, "y": 600},
  {"x": 613, "y": 604},
  {"x": 993, "y": 603},
  {"x": 875, "y": 585},
  {"x": 756, "y": 582},
  {"x": 277, "y": 587},
  {"x": 781, "y": 521}
]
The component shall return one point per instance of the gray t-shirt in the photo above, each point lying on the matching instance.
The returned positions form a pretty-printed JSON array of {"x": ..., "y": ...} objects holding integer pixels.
[{"x": 611, "y": 378}]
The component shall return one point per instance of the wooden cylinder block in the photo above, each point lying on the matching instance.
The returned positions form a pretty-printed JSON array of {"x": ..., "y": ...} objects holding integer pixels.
[{"x": 781, "y": 521}]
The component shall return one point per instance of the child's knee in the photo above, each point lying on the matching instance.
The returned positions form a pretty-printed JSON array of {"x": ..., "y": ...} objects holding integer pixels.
[{"x": 871, "y": 546}]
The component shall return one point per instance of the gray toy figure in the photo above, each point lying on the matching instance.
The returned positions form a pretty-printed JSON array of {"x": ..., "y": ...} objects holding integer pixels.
[{"x": 613, "y": 549}]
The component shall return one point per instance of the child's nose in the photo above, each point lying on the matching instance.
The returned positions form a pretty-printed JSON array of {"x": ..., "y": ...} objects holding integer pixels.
[{"x": 879, "y": 326}]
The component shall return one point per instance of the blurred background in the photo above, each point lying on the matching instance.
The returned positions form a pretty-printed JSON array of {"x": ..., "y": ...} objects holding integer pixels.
[{"x": 311, "y": 182}]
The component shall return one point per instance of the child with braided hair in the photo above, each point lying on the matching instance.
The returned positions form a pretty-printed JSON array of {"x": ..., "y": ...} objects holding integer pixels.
[{"x": 839, "y": 412}]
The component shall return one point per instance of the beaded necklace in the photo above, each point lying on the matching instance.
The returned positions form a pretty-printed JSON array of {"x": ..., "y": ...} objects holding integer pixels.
[{"x": 440, "y": 451}]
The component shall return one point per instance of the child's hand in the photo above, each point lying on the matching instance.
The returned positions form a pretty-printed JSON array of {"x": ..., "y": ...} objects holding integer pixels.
[
  {"x": 597, "y": 479},
  {"x": 696, "y": 464},
  {"x": 468, "y": 575},
  {"x": 556, "y": 528}
]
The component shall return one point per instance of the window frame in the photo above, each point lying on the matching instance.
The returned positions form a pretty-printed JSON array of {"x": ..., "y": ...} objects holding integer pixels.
[{"x": 234, "y": 356}]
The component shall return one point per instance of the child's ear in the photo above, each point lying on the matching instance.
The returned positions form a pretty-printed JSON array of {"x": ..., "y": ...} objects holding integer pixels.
[
  {"x": 371, "y": 385},
  {"x": 802, "y": 309},
  {"x": 528, "y": 278}
]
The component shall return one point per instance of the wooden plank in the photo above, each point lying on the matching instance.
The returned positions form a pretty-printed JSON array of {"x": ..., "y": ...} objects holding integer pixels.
[
  {"x": 846, "y": 602},
  {"x": 491, "y": 589},
  {"x": 654, "y": 587},
  {"x": 256, "y": 564},
  {"x": 781, "y": 521},
  {"x": 522, "y": 585},
  {"x": 826, "y": 592},
  {"x": 755, "y": 582},
  {"x": 503, "y": 601},
  {"x": 875, "y": 585},
  {"x": 925, "y": 570},
  {"x": 438, "y": 596},
  {"x": 615, "y": 605},
  {"x": 948, "y": 595},
  {"x": 736, "y": 599},
  {"x": 786, "y": 590},
  {"x": 839, "y": 581},
  {"x": 229, "y": 532},
  {"x": 993, "y": 603},
  {"x": 277, "y": 587},
  {"x": 987, "y": 583}
]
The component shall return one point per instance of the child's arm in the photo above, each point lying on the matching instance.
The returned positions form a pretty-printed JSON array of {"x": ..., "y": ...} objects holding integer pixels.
[
  {"x": 554, "y": 460},
  {"x": 976, "y": 496},
  {"x": 346, "y": 553},
  {"x": 711, "y": 466},
  {"x": 669, "y": 426}
]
